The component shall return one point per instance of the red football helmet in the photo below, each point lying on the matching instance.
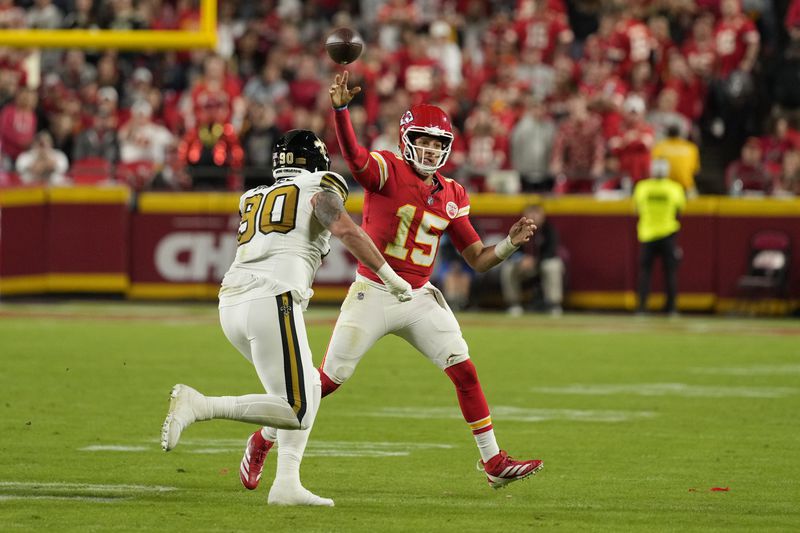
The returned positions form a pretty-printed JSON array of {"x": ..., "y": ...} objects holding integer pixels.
[{"x": 425, "y": 120}]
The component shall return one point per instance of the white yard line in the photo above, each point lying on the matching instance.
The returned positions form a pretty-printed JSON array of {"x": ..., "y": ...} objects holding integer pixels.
[
  {"x": 516, "y": 414},
  {"x": 669, "y": 389}
]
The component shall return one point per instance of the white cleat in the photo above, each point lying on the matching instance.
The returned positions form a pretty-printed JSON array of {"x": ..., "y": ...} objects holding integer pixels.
[
  {"x": 183, "y": 404},
  {"x": 295, "y": 494}
]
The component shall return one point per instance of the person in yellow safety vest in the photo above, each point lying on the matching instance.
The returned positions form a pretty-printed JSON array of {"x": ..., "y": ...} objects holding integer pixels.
[{"x": 659, "y": 201}]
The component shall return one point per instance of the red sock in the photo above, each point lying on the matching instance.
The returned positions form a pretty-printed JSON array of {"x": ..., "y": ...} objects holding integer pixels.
[
  {"x": 328, "y": 385},
  {"x": 470, "y": 396}
]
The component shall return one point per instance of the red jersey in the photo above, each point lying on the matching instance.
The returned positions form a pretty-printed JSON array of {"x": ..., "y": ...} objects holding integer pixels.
[
  {"x": 543, "y": 32},
  {"x": 403, "y": 216},
  {"x": 732, "y": 37}
]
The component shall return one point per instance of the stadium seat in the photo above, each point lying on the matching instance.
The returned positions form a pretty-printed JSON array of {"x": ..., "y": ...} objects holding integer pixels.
[
  {"x": 767, "y": 270},
  {"x": 90, "y": 171}
]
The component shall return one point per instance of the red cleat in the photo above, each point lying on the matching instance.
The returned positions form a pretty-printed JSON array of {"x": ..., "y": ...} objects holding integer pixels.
[
  {"x": 502, "y": 469},
  {"x": 253, "y": 461}
]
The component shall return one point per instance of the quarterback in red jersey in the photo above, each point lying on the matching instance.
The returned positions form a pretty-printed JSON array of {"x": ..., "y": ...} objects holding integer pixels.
[{"x": 408, "y": 205}]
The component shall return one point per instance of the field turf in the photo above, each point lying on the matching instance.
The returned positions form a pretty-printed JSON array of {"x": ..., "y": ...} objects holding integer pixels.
[{"x": 637, "y": 420}]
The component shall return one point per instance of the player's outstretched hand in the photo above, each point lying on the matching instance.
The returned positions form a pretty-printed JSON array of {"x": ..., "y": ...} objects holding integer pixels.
[
  {"x": 340, "y": 94},
  {"x": 522, "y": 231}
]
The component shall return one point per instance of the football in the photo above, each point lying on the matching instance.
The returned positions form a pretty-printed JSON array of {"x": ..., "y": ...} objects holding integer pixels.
[{"x": 344, "y": 45}]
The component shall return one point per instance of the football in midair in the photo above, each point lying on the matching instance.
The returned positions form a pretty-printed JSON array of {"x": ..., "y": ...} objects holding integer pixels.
[{"x": 344, "y": 45}]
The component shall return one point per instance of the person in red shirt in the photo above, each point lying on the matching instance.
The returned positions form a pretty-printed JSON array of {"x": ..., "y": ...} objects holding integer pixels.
[
  {"x": 541, "y": 29},
  {"x": 578, "y": 150},
  {"x": 216, "y": 97},
  {"x": 408, "y": 206},
  {"x": 700, "y": 48},
  {"x": 736, "y": 40},
  {"x": 749, "y": 174},
  {"x": 18, "y": 125},
  {"x": 634, "y": 141}
]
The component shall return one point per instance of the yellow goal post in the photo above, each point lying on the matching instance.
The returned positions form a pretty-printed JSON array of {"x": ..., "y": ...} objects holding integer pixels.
[{"x": 206, "y": 37}]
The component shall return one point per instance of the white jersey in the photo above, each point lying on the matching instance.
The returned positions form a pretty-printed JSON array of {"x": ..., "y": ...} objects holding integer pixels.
[{"x": 281, "y": 243}]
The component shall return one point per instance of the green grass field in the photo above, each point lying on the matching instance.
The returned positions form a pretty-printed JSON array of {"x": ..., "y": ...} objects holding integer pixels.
[{"x": 636, "y": 420}]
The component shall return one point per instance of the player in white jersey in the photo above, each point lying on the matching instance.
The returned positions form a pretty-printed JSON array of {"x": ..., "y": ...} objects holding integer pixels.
[{"x": 284, "y": 234}]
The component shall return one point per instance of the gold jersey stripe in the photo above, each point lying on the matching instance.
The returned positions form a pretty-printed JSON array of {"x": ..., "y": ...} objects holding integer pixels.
[
  {"x": 333, "y": 183},
  {"x": 292, "y": 364},
  {"x": 382, "y": 166}
]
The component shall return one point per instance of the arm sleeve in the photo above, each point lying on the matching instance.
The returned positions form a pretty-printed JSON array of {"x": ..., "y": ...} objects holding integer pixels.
[{"x": 369, "y": 169}]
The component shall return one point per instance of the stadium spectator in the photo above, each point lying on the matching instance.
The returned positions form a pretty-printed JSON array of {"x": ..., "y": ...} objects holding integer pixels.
[
  {"x": 212, "y": 156},
  {"x": 737, "y": 46},
  {"x": 666, "y": 116},
  {"x": 633, "y": 141},
  {"x": 537, "y": 77},
  {"x": 258, "y": 137},
  {"x": 538, "y": 259},
  {"x": 43, "y": 164},
  {"x": 700, "y": 49},
  {"x": 44, "y": 15},
  {"x": 578, "y": 150},
  {"x": 531, "y": 146},
  {"x": 215, "y": 97},
  {"x": 99, "y": 141},
  {"x": 137, "y": 87},
  {"x": 140, "y": 139},
  {"x": 691, "y": 90},
  {"x": 18, "y": 125},
  {"x": 306, "y": 87},
  {"x": 446, "y": 52},
  {"x": 749, "y": 174},
  {"x": 267, "y": 89},
  {"x": 486, "y": 150},
  {"x": 9, "y": 84},
  {"x": 541, "y": 28},
  {"x": 75, "y": 71},
  {"x": 81, "y": 17},
  {"x": 62, "y": 128},
  {"x": 659, "y": 202},
  {"x": 779, "y": 140},
  {"x": 11, "y": 15},
  {"x": 683, "y": 157},
  {"x": 789, "y": 181}
]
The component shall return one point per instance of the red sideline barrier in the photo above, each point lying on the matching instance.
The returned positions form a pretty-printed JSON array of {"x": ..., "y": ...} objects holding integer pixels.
[
  {"x": 64, "y": 240},
  {"x": 179, "y": 245}
]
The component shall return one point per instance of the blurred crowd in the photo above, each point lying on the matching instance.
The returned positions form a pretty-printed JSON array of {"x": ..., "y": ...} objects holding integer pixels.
[{"x": 552, "y": 96}]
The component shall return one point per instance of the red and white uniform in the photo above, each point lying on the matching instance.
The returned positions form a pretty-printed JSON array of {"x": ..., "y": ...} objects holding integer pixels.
[{"x": 405, "y": 218}]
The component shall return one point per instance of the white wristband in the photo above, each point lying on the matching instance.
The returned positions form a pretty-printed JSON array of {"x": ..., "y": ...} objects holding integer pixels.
[
  {"x": 504, "y": 248},
  {"x": 388, "y": 276}
]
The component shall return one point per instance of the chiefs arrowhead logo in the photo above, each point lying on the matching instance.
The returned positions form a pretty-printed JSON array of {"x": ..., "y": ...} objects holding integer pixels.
[{"x": 407, "y": 118}]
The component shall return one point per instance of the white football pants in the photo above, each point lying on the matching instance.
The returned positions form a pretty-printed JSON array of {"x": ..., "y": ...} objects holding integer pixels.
[
  {"x": 370, "y": 312},
  {"x": 271, "y": 334}
]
